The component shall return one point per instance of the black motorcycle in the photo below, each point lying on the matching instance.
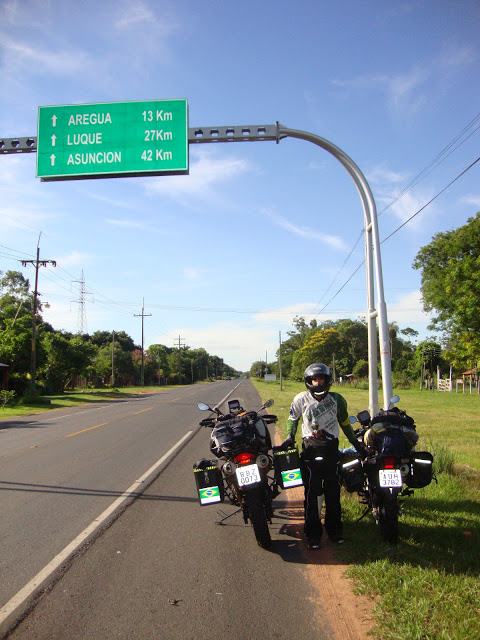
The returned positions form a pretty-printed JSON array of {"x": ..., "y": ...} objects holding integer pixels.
[
  {"x": 241, "y": 443},
  {"x": 389, "y": 463}
]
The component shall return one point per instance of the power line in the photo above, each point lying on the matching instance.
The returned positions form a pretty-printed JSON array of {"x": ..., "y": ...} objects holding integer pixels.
[
  {"x": 434, "y": 163},
  {"x": 430, "y": 201},
  {"x": 440, "y": 157},
  {"x": 401, "y": 226}
]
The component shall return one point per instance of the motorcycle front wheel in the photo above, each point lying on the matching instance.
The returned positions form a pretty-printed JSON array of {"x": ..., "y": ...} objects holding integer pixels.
[
  {"x": 388, "y": 518},
  {"x": 258, "y": 518}
]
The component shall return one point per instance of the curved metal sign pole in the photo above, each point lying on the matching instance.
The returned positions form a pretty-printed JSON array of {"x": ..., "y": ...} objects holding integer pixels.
[{"x": 372, "y": 251}]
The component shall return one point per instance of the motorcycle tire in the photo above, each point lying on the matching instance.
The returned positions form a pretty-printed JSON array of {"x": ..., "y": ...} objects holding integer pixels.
[
  {"x": 258, "y": 519},
  {"x": 388, "y": 519}
]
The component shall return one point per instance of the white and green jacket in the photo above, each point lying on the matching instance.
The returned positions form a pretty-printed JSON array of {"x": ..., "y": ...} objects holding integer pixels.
[{"x": 326, "y": 414}]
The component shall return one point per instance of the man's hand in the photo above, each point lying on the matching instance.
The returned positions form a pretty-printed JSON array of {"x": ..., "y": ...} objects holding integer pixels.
[
  {"x": 361, "y": 450},
  {"x": 289, "y": 442}
]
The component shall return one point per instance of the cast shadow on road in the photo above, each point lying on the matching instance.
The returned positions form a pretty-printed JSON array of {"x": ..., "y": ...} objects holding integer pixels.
[
  {"x": 289, "y": 540},
  {"x": 83, "y": 491}
]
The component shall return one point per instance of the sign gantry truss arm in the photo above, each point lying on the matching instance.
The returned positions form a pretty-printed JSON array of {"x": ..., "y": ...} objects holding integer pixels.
[{"x": 277, "y": 132}]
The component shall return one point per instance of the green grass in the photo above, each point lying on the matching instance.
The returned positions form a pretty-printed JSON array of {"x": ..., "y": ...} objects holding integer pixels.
[
  {"x": 70, "y": 399},
  {"x": 428, "y": 586}
]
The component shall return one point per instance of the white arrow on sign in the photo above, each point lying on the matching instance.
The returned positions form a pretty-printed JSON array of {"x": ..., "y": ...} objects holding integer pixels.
[
  {"x": 52, "y": 159},
  {"x": 54, "y": 121},
  {"x": 54, "y": 137}
]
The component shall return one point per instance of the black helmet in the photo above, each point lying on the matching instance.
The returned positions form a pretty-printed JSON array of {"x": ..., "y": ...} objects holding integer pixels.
[{"x": 314, "y": 370}]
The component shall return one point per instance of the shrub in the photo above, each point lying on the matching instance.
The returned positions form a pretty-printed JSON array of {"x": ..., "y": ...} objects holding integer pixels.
[
  {"x": 443, "y": 457},
  {"x": 6, "y": 396}
]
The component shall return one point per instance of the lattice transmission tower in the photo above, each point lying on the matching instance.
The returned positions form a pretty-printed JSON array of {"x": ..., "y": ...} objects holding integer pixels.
[{"x": 82, "y": 314}]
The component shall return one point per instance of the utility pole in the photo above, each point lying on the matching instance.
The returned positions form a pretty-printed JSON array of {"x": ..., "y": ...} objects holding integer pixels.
[
  {"x": 36, "y": 263},
  {"x": 113, "y": 361},
  {"x": 180, "y": 345},
  {"x": 142, "y": 315},
  {"x": 280, "y": 359}
]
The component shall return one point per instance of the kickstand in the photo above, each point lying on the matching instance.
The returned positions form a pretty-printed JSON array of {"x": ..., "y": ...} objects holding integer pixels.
[
  {"x": 369, "y": 508},
  {"x": 225, "y": 516}
]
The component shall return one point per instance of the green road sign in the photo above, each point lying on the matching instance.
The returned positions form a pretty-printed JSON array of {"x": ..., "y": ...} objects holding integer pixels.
[{"x": 112, "y": 139}]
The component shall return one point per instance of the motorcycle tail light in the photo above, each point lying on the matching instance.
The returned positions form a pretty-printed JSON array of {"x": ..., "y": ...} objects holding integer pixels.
[
  {"x": 245, "y": 458},
  {"x": 389, "y": 463}
]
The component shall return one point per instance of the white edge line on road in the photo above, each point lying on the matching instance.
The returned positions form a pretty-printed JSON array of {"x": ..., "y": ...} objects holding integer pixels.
[{"x": 47, "y": 571}]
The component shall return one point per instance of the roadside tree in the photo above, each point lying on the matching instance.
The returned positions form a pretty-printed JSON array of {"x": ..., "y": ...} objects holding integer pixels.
[{"x": 450, "y": 267}]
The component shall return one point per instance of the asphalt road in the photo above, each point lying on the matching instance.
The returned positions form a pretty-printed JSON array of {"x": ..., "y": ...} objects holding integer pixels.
[{"x": 59, "y": 471}]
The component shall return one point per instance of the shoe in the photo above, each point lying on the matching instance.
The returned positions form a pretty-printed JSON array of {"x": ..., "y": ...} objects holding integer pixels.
[
  {"x": 313, "y": 543},
  {"x": 338, "y": 540}
]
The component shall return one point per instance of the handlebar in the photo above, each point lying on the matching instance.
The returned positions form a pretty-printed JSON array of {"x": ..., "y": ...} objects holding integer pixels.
[{"x": 252, "y": 415}]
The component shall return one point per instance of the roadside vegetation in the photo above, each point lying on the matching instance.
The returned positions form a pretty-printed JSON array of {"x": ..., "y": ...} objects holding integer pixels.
[
  {"x": 27, "y": 405},
  {"x": 427, "y": 587},
  {"x": 102, "y": 360}
]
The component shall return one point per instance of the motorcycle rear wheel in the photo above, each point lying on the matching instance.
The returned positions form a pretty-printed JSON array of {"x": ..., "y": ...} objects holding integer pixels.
[
  {"x": 388, "y": 519},
  {"x": 258, "y": 518}
]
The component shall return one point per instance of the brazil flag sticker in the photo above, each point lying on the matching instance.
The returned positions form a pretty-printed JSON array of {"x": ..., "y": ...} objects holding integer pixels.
[
  {"x": 291, "y": 478},
  {"x": 208, "y": 495}
]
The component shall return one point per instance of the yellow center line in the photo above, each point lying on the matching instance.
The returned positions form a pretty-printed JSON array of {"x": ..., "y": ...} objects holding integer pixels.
[
  {"x": 137, "y": 412},
  {"x": 175, "y": 399},
  {"x": 89, "y": 429}
]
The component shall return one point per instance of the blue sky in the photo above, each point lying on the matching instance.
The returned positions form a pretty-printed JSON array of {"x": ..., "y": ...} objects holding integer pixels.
[{"x": 257, "y": 232}]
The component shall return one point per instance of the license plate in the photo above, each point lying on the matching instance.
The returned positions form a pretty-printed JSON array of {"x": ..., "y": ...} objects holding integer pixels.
[
  {"x": 249, "y": 474},
  {"x": 390, "y": 478}
]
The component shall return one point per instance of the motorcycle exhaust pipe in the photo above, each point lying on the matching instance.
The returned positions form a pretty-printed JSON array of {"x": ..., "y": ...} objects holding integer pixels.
[
  {"x": 229, "y": 468},
  {"x": 263, "y": 461},
  {"x": 405, "y": 470}
]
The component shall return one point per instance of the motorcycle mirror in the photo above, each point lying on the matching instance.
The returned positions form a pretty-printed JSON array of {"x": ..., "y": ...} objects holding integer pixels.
[
  {"x": 269, "y": 403},
  {"x": 203, "y": 407},
  {"x": 393, "y": 400}
]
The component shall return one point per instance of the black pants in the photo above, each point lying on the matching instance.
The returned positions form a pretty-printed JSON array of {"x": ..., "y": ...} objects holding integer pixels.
[{"x": 320, "y": 477}]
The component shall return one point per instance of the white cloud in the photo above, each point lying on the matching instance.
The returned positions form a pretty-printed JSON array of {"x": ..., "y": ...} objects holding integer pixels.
[
  {"x": 286, "y": 314},
  {"x": 239, "y": 345},
  {"x": 190, "y": 273},
  {"x": 23, "y": 58},
  {"x": 76, "y": 259},
  {"x": 206, "y": 170},
  {"x": 387, "y": 185},
  {"x": 335, "y": 242},
  {"x": 403, "y": 91},
  {"x": 458, "y": 56},
  {"x": 407, "y": 311},
  {"x": 135, "y": 14},
  {"x": 471, "y": 199},
  {"x": 133, "y": 224},
  {"x": 408, "y": 92}
]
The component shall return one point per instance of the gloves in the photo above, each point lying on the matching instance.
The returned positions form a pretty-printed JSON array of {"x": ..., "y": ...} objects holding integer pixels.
[
  {"x": 289, "y": 442},
  {"x": 361, "y": 450}
]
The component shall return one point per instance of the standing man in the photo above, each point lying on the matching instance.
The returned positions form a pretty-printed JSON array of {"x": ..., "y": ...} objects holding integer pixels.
[{"x": 321, "y": 413}]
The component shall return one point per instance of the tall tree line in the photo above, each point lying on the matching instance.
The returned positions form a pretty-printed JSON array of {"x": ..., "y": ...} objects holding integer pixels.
[
  {"x": 450, "y": 271},
  {"x": 65, "y": 359}
]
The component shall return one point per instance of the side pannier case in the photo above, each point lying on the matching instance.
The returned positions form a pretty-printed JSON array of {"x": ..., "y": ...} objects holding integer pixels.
[
  {"x": 209, "y": 481},
  {"x": 351, "y": 472},
  {"x": 287, "y": 467},
  {"x": 421, "y": 470}
]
